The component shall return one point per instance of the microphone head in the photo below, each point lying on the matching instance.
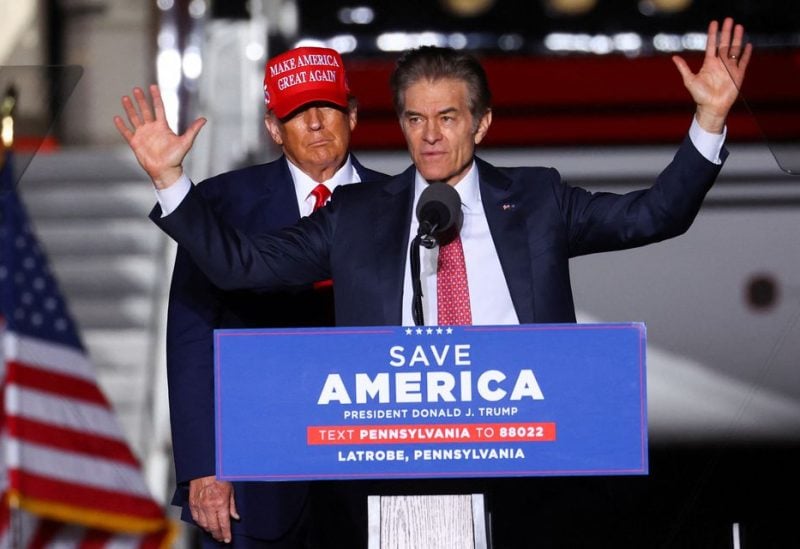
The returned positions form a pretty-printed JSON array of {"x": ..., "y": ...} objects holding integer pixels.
[{"x": 438, "y": 209}]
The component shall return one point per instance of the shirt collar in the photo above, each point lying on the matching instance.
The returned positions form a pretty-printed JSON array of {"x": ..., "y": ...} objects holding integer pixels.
[
  {"x": 468, "y": 188},
  {"x": 304, "y": 184}
]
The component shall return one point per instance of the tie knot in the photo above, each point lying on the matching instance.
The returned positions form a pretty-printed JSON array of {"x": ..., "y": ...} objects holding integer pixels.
[{"x": 321, "y": 195}]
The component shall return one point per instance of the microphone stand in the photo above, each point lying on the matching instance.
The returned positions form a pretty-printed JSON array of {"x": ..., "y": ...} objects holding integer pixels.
[{"x": 424, "y": 238}]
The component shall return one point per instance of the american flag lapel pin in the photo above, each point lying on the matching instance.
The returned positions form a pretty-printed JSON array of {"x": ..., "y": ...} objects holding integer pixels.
[{"x": 507, "y": 207}]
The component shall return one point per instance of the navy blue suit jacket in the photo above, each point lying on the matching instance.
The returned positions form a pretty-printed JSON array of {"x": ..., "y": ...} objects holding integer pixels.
[
  {"x": 255, "y": 200},
  {"x": 361, "y": 238}
]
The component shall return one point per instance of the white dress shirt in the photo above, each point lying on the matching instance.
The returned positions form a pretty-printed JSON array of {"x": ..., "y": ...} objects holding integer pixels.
[
  {"x": 489, "y": 298},
  {"x": 303, "y": 184}
]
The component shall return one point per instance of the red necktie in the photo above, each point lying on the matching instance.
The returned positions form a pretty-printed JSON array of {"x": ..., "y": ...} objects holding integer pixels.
[
  {"x": 321, "y": 195},
  {"x": 452, "y": 290}
]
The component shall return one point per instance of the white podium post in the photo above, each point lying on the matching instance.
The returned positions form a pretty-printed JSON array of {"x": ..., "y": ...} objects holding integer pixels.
[{"x": 433, "y": 522}]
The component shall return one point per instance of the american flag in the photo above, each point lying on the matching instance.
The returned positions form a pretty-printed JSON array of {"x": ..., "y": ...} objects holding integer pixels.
[{"x": 67, "y": 474}]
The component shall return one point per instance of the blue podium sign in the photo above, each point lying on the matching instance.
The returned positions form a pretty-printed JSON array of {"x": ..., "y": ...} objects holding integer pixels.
[{"x": 431, "y": 402}]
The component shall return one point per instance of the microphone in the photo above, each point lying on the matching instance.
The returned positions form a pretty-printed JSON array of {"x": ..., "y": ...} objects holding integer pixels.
[{"x": 438, "y": 209}]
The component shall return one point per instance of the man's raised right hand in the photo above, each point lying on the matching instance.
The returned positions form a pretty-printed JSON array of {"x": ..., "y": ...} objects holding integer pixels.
[{"x": 159, "y": 150}]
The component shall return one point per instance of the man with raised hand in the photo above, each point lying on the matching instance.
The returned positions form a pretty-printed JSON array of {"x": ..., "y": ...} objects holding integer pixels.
[{"x": 310, "y": 114}]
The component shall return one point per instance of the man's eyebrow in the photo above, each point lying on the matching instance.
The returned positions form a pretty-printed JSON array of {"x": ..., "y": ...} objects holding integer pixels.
[{"x": 446, "y": 110}]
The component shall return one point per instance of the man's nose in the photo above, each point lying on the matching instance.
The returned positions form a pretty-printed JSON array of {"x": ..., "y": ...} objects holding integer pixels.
[
  {"x": 431, "y": 132},
  {"x": 313, "y": 118}
]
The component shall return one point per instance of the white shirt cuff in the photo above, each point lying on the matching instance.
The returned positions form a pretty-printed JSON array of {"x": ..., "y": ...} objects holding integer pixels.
[
  {"x": 708, "y": 144},
  {"x": 170, "y": 198}
]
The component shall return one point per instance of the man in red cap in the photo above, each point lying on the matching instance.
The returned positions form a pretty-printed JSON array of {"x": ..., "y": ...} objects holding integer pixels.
[{"x": 310, "y": 114}]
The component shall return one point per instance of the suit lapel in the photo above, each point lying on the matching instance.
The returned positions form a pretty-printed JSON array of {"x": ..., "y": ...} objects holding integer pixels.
[
  {"x": 506, "y": 219},
  {"x": 391, "y": 224},
  {"x": 280, "y": 196}
]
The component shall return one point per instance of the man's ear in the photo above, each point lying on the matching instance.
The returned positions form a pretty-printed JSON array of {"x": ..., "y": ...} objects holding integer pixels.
[
  {"x": 273, "y": 129},
  {"x": 352, "y": 115},
  {"x": 483, "y": 126}
]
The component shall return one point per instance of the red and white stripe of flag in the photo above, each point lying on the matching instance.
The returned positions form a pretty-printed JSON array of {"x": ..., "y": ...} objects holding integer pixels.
[{"x": 66, "y": 458}]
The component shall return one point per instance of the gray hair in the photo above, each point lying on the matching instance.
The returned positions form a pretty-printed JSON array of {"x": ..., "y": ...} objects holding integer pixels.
[{"x": 435, "y": 63}]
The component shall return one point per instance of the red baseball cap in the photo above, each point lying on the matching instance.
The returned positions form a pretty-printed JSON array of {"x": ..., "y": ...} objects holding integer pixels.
[{"x": 304, "y": 75}]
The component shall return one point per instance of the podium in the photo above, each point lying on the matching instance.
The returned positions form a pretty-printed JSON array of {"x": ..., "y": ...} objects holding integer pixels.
[
  {"x": 433, "y": 522},
  {"x": 395, "y": 403}
]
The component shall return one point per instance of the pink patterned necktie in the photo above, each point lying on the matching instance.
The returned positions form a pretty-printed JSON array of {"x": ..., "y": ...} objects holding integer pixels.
[
  {"x": 451, "y": 285},
  {"x": 321, "y": 195}
]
